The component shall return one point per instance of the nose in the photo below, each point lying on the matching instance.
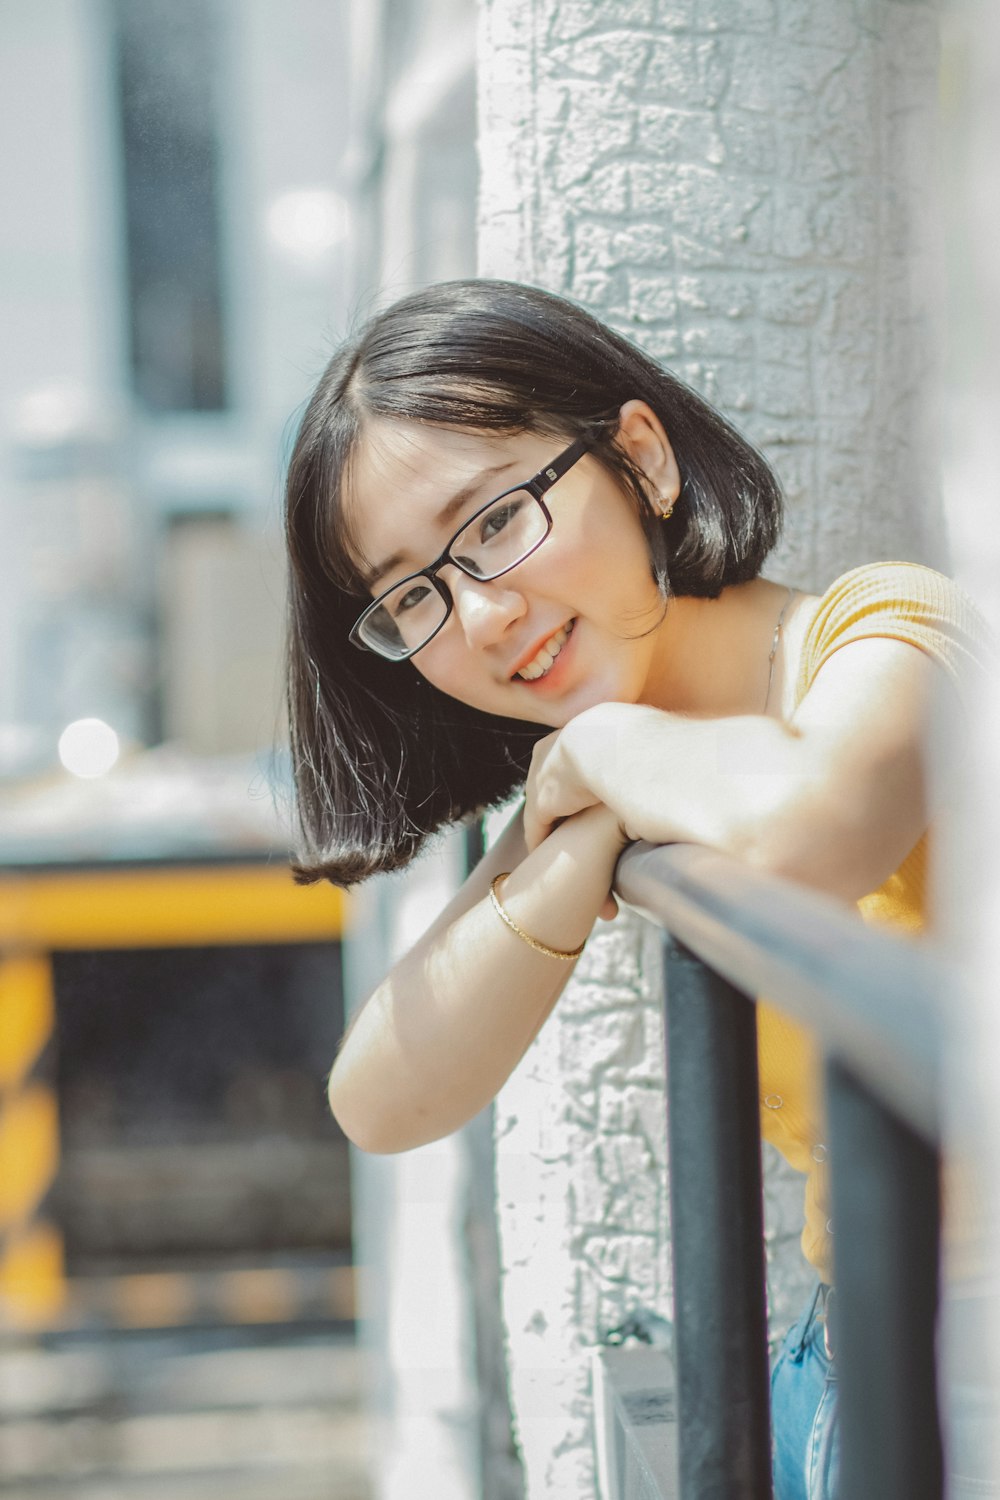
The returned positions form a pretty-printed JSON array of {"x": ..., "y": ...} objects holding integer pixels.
[{"x": 485, "y": 610}]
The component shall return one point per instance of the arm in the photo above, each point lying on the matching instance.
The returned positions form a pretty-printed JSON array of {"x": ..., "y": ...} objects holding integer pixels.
[
  {"x": 441, "y": 1034},
  {"x": 835, "y": 799}
]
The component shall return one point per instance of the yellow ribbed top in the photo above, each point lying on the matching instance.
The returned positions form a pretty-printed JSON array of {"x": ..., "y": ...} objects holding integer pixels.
[{"x": 905, "y": 602}]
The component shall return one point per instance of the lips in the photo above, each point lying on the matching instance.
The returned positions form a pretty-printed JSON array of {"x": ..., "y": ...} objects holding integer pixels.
[{"x": 541, "y": 661}]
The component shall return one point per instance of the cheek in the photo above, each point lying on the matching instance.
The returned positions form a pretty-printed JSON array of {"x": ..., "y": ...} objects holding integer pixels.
[
  {"x": 608, "y": 574},
  {"x": 604, "y": 535},
  {"x": 451, "y": 670}
]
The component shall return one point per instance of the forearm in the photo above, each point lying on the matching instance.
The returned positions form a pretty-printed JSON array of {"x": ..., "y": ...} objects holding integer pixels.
[
  {"x": 442, "y": 1033},
  {"x": 764, "y": 791},
  {"x": 670, "y": 778}
]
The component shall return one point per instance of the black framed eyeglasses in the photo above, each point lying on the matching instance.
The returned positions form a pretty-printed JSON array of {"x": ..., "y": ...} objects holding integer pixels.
[{"x": 501, "y": 534}]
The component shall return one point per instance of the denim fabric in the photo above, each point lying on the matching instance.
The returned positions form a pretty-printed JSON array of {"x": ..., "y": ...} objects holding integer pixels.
[{"x": 804, "y": 1425}]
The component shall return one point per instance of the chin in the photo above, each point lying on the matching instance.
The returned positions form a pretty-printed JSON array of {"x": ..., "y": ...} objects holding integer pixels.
[
  {"x": 564, "y": 712},
  {"x": 611, "y": 686}
]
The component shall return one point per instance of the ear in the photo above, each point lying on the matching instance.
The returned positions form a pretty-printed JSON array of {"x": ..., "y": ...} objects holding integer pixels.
[{"x": 643, "y": 437}]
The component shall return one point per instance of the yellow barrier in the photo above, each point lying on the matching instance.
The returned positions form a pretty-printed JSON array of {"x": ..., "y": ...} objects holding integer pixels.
[
  {"x": 31, "y": 1258},
  {"x": 158, "y": 907},
  {"x": 139, "y": 907}
]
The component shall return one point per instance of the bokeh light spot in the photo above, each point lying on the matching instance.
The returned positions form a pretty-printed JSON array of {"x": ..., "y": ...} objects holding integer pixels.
[
  {"x": 308, "y": 223},
  {"x": 88, "y": 747}
]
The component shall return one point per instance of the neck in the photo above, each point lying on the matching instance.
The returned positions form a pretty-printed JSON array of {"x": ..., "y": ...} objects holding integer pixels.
[{"x": 712, "y": 654}]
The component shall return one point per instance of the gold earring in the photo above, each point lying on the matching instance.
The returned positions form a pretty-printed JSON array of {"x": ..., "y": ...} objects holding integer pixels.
[{"x": 668, "y": 512}]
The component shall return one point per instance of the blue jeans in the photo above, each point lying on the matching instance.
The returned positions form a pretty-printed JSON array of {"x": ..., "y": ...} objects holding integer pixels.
[{"x": 805, "y": 1433}]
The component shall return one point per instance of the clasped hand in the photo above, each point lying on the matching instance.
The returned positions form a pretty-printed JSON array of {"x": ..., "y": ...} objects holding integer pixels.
[{"x": 577, "y": 768}]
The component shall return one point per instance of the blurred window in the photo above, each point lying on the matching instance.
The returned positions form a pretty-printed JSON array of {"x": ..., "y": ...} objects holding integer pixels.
[{"x": 168, "y": 63}]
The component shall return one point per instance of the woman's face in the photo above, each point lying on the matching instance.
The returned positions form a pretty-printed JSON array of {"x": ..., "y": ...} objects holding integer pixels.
[{"x": 573, "y": 625}]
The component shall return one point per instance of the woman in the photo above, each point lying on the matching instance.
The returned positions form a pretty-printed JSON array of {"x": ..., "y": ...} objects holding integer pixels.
[{"x": 525, "y": 555}]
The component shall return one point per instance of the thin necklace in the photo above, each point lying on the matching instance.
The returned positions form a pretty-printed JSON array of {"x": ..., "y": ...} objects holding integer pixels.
[{"x": 775, "y": 640}]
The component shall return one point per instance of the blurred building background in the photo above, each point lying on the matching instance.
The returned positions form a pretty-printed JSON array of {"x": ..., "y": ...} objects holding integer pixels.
[{"x": 176, "y": 253}]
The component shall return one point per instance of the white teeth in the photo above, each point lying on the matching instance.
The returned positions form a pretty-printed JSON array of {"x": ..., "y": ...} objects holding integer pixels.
[{"x": 542, "y": 662}]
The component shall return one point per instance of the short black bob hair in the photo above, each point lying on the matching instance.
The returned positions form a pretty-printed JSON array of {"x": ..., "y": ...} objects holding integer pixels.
[{"x": 381, "y": 758}]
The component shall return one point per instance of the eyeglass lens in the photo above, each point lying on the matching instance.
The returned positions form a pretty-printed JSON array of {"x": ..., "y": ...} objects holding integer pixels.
[{"x": 493, "y": 541}]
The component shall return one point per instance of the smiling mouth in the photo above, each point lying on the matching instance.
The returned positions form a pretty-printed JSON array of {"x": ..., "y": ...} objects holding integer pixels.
[{"x": 542, "y": 662}]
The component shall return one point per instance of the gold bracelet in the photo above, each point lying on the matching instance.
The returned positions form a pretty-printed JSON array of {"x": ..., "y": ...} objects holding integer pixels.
[{"x": 506, "y": 917}]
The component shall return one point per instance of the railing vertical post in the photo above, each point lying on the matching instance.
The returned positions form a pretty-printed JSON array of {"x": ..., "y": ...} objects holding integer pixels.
[
  {"x": 717, "y": 1234},
  {"x": 886, "y": 1216}
]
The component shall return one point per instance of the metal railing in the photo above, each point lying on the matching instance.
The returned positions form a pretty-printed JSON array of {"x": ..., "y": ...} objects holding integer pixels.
[{"x": 869, "y": 998}]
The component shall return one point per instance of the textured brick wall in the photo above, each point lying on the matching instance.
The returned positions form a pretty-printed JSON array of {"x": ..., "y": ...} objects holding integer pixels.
[
  {"x": 582, "y": 1197},
  {"x": 741, "y": 186},
  {"x": 738, "y": 184}
]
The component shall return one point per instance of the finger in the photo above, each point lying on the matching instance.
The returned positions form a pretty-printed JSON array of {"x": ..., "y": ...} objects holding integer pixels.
[
  {"x": 609, "y": 910},
  {"x": 529, "y": 820},
  {"x": 536, "y": 830}
]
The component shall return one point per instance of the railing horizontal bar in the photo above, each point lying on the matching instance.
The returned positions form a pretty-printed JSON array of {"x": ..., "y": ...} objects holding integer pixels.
[{"x": 869, "y": 997}]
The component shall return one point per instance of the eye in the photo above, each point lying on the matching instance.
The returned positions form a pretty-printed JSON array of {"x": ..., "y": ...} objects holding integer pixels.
[
  {"x": 411, "y": 599},
  {"x": 497, "y": 519}
]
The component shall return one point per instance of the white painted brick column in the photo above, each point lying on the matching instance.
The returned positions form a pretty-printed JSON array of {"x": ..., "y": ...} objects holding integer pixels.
[{"x": 740, "y": 186}]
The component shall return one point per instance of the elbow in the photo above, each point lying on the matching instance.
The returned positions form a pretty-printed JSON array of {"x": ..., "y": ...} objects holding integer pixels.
[
  {"x": 358, "y": 1120},
  {"x": 369, "y": 1123},
  {"x": 355, "y": 1092}
]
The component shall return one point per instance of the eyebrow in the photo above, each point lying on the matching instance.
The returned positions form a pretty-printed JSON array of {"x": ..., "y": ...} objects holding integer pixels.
[{"x": 446, "y": 514}]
